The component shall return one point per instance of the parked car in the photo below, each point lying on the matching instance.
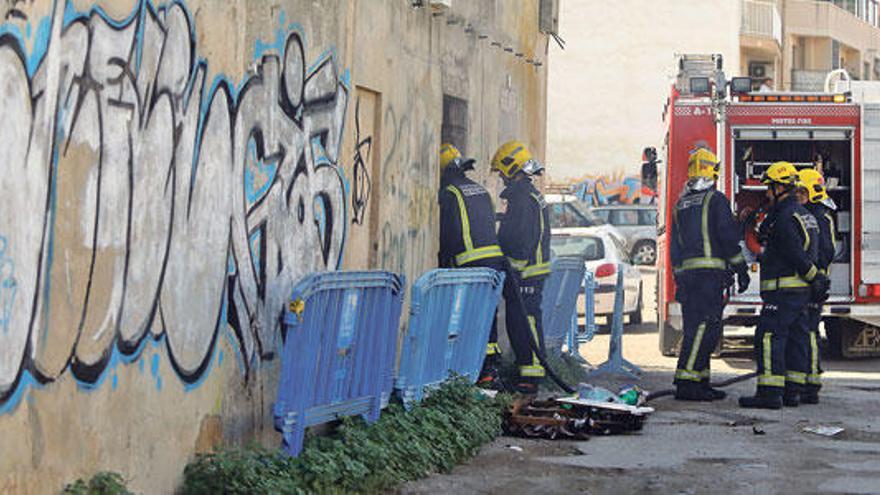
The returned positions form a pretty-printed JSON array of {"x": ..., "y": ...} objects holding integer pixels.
[
  {"x": 638, "y": 225},
  {"x": 567, "y": 212},
  {"x": 603, "y": 254}
]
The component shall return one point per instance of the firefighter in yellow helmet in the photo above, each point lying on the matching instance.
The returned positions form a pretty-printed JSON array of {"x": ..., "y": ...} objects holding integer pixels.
[
  {"x": 822, "y": 208},
  {"x": 467, "y": 240},
  {"x": 524, "y": 236},
  {"x": 790, "y": 280},
  {"x": 705, "y": 254}
]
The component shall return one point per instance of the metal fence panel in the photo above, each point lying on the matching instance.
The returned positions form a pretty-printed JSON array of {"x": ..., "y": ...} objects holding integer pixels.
[
  {"x": 451, "y": 313},
  {"x": 559, "y": 304},
  {"x": 339, "y": 352}
]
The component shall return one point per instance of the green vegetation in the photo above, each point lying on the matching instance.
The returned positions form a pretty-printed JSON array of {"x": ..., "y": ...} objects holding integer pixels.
[
  {"x": 103, "y": 483},
  {"x": 446, "y": 429}
]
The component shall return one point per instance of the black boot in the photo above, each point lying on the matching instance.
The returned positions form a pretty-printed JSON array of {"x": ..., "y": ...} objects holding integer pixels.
[
  {"x": 692, "y": 391},
  {"x": 810, "y": 395},
  {"x": 762, "y": 400},
  {"x": 791, "y": 396},
  {"x": 717, "y": 394}
]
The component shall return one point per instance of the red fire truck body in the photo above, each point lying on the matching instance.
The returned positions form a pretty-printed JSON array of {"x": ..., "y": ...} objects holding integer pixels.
[{"x": 809, "y": 130}]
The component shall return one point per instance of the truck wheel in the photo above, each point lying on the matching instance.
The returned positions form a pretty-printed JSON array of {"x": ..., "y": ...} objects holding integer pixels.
[{"x": 834, "y": 336}]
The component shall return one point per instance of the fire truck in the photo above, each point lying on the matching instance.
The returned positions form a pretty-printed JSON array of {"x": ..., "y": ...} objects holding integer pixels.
[{"x": 836, "y": 131}]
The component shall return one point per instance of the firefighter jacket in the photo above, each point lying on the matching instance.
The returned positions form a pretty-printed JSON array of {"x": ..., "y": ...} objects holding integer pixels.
[
  {"x": 524, "y": 233},
  {"x": 789, "y": 259},
  {"x": 467, "y": 221},
  {"x": 827, "y": 240},
  {"x": 704, "y": 234}
]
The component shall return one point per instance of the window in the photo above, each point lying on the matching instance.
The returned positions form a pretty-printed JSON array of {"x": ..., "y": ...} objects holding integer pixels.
[
  {"x": 603, "y": 214},
  {"x": 624, "y": 218},
  {"x": 455, "y": 123},
  {"x": 648, "y": 217},
  {"x": 565, "y": 215},
  {"x": 591, "y": 248}
]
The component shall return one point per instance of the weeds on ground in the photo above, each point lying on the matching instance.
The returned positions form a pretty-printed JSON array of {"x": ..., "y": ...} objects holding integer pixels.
[
  {"x": 446, "y": 429},
  {"x": 103, "y": 483}
]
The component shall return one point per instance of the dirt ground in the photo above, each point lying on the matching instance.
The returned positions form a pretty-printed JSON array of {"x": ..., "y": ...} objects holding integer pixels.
[{"x": 695, "y": 447}]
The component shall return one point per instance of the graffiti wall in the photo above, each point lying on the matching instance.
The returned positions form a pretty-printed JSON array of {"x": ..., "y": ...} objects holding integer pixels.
[
  {"x": 147, "y": 198},
  {"x": 614, "y": 189}
]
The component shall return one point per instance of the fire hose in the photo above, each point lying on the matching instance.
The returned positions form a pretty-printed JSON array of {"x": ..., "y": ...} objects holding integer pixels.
[{"x": 721, "y": 384}]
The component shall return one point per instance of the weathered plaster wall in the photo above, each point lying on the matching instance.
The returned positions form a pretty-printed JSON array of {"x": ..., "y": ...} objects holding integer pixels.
[{"x": 169, "y": 170}]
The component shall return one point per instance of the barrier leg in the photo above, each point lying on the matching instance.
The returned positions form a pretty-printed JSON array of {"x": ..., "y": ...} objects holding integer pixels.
[
  {"x": 589, "y": 309},
  {"x": 616, "y": 364},
  {"x": 293, "y": 439}
]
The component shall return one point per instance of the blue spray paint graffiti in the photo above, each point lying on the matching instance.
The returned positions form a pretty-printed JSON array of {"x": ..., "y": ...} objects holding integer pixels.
[{"x": 175, "y": 207}]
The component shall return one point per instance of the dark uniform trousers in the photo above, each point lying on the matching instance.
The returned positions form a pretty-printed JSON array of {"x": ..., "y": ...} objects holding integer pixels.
[
  {"x": 782, "y": 343},
  {"x": 516, "y": 314},
  {"x": 701, "y": 294},
  {"x": 814, "y": 376}
]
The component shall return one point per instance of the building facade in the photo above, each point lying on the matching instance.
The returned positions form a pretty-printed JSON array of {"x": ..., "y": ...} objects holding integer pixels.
[
  {"x": 170, "y": 169},
  {"x": 609, "y": 85}
]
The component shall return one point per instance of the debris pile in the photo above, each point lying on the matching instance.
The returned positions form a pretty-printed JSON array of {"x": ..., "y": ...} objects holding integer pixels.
[{"x": 594, "y": 411}]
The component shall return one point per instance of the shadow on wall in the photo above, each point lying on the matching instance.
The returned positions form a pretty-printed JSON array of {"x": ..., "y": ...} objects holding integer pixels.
[{"x": 146, "y": 199}]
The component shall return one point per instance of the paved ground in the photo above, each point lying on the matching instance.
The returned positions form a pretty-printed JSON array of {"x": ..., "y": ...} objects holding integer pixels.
[{"x": 696, "y": 448}]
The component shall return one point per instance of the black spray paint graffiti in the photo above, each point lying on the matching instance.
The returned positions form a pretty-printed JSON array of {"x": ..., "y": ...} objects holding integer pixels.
[
  {"x": 362, "y": 186},
  {"x": 141, "y": 200}
]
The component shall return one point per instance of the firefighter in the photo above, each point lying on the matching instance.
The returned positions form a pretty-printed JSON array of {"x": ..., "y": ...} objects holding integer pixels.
[
  {"x": 790, "y": 280},
  {"x": 467, "y": 240},
  {"x": 705, "y": 254},
  {"x": 822, "y": 208},
  {"x": 524, "y": 236}
]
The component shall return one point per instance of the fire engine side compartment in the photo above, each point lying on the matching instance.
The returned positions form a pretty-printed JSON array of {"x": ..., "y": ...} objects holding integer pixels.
[{"x": 691, "y": 123}]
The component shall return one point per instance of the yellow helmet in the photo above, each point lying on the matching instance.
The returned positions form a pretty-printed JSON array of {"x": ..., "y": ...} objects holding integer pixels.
[
  {"x": 782, "y": 173},
  {"x": 513, "y": 157},
  {"x": 814, "y": 183},
  {"x": 449, "y": 155},
  {"x": 703, "y": 163}
]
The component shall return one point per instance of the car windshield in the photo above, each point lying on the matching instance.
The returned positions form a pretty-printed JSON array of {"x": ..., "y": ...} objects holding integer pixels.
[
  {"x": 590, "y": 248},
  {"x": 569, "y": 214}
]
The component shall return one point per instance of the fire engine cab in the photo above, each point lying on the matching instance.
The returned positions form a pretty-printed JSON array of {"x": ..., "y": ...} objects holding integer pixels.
[{"x": 836, "y": 131}]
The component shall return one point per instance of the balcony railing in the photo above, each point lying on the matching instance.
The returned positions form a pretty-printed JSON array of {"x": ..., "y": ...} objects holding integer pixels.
[
  {"x": 761, "y": 18},
  {"x": 808, "y": 80}
]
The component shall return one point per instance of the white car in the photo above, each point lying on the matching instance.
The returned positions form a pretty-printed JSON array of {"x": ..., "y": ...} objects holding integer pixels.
[
  {"x": 604, "y": 255},
  {"x": 566, "y": 213}
]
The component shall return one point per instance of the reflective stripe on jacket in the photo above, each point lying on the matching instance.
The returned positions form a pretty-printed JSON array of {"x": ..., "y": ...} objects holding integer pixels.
[
  {"x": 789, "y": 259},
  {"x": 524, "y": 233},
  {"x": 467, "y": 222},
  {"x": 705, "y": 236}
]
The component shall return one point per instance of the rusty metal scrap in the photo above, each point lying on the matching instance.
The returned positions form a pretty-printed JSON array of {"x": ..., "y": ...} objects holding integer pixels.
[{"x": 552, "y": 419}]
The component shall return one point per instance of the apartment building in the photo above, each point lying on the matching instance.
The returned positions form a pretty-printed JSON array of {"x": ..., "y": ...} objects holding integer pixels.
[
  {"x": 797, "y": 42},
  {"x": 607, "y": 88}
]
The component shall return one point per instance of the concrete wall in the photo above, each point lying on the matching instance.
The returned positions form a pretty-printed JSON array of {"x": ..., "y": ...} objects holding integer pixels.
[
  {"x": 608, "y": 87},
  {"x": 170, "y": 170}
]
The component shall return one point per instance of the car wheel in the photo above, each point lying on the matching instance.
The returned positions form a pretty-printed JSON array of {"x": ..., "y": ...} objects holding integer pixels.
[
  {"x": 635, "y": 318},
  {"x": 645, "y": 253}
]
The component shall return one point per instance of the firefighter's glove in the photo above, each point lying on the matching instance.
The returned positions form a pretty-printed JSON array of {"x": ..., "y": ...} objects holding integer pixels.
[
  {"x": 742, "y": 278},
  {"x": 819, "y": 288}
]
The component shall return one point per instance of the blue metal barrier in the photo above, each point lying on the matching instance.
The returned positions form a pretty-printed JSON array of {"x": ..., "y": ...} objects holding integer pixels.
[
  {"x": 574, "y": 337},
  {"x": 339, "y": 351},
  {"x": 616, "y": 364},
  {"x": 559, "y": 304},
  {"x": 451, "y": 313}
]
